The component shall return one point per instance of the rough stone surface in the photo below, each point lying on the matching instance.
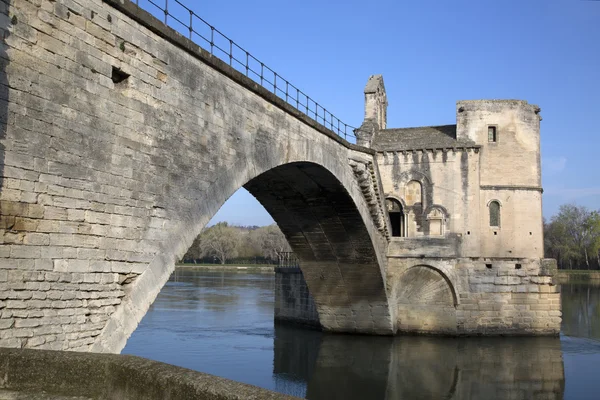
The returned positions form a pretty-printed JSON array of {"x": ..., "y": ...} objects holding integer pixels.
[
  {"x": 450, "y": 270},
  {"x": 466, "y": 297},
  {"x": 105, "y": 185},
  {"x": 12, "y": 395},
  {"x": 70, "y": 375},
  {"x": 453, "y": 269},
  {"x": 293, "y": 301}
]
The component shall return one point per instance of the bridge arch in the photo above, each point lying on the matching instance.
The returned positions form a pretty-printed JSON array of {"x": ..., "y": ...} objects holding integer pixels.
[
  {"x": 326, "y": 231},
  {"x": 425, "y": 299},
  {"x": 427, "y": 284},
  {"x": 323, "y": 214}
]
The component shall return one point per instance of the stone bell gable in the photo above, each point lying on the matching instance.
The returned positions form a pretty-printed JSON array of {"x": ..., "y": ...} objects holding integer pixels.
[{"x": 375, "y": 111}]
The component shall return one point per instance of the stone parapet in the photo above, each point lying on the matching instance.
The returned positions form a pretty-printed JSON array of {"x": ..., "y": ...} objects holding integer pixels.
[{"x": 109, "y": 376}]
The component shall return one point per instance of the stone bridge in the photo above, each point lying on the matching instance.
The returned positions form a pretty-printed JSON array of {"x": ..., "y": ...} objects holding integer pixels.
[{"x": 121, "y": 139}]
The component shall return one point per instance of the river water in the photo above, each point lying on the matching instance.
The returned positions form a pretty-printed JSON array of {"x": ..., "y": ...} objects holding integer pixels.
[{"x": 221, "y": 323}]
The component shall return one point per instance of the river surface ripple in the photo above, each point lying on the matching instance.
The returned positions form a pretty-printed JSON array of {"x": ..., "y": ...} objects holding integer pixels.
[{"x": 221, "y": 323}]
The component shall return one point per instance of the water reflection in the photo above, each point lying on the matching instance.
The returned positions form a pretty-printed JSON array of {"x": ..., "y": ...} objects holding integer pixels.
[
  {"x": 222, "y": 324},
  {"x": 355, "y": 367},
  {"x": 581, "y": 310},
  {"x": 215, "y": 291}
]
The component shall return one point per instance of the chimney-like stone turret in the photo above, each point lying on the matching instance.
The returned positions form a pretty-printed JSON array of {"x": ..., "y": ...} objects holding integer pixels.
[{"x": 375, "y": 111}]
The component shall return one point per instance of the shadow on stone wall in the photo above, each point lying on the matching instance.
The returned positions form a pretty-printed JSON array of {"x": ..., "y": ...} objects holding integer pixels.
[
  {"x": 354, "y": 367},
  {"x": 6, "y": 21}
]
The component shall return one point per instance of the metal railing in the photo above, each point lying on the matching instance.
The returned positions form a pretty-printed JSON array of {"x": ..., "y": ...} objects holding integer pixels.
[
  {"x": 287, "y": 259},
  {"x": 221, "y": 46}
]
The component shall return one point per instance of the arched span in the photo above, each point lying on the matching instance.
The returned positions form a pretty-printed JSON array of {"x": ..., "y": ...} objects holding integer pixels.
[
  {"x": 326, "y": 231},
  {"x": 426, "y": 284},
  {"x": 322, "y": 213},
  {"x": 425, "y": 301}
]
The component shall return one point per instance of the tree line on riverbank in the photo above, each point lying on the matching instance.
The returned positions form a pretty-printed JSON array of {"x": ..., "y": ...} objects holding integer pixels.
[
  {"x": 223, "y": 243},
  {"x": 572, "y": 237}
]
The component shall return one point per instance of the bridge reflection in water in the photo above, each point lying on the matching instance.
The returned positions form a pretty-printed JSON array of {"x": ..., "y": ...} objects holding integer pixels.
[
  {"x": 350, "y": 367},
  {"x": 222, "y": 323}
]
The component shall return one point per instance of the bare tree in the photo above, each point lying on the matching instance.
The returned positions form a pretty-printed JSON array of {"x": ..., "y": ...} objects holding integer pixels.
[
  {"x": 220, "y": 241},
  {"x": 270, "y": 241}
]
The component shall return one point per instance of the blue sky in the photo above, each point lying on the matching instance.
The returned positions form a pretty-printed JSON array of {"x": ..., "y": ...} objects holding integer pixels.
[{"x": 432, "y": 54}]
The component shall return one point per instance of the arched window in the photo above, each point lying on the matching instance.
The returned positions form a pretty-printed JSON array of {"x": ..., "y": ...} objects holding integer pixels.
[
  {"x": 494, "y": 213},
  {"x": 413, "y": 193},
  {"x": 396, "y": 214}
]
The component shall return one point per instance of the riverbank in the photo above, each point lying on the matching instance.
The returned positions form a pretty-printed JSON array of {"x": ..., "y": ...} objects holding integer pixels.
[
  {"x": 260, "y": 268},
  {"x": 577, "y": 276}
]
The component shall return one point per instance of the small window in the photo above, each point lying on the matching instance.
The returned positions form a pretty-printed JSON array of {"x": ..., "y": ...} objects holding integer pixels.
[
  {"x": 488, "y": 266},
  {"x": 492, "y": 137},
  {"x": 494, "y": 214}
]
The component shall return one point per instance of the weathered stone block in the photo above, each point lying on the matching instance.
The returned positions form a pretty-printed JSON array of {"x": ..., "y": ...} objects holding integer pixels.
[
  {"x": 27, "y": 323},
  {"x": 6, "y": 323},
  {"x": 71, "y": 265}
]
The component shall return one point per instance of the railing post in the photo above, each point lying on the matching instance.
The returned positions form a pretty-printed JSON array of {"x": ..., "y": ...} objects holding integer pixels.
[
  {"x": 191, "y": 23},
  {"x": 166, "y": 11},
  {"x": 262, "y": 71},
  {"x": 247, "y": 63}
]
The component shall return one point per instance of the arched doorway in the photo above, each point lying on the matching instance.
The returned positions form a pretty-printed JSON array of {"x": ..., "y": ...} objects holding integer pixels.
[{"x": 396, "y": 213}]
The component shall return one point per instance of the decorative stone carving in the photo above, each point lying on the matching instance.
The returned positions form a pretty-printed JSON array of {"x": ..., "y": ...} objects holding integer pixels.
[{"x": 367, "y": 181}]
